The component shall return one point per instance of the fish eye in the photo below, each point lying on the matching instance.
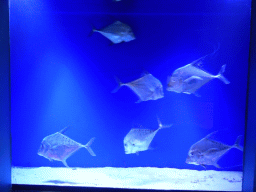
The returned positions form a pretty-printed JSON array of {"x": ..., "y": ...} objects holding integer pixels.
[
  {"x": 192, "y": 153},
  {"x": 133, "y": 144}
]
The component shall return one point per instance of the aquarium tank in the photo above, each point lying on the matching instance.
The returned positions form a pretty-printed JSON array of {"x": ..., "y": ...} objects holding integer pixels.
[{"x": 134, "y": 94}]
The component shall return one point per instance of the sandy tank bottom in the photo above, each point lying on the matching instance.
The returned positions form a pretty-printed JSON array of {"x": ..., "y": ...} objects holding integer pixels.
[{"x": 136, "y": 178}]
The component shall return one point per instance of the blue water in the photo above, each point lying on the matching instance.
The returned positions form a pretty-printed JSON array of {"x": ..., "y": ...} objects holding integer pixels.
[{"x": 60, "y": 76}]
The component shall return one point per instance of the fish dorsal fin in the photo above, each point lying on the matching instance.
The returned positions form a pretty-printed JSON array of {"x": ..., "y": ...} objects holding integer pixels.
[
  {"x": 118, "y": 22},
  {"x": 199, "y": 62},
  {"x": 209, "y": 135},
  {"x": 64, "y": 130},
  {"x": 144, "y": 73},
  {"x": 137, "y": 126}
]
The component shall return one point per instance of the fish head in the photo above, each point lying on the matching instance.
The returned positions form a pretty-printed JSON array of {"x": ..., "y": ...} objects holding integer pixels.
[
  {"x": 132, "y": 146},
  {"x": 43, "y": 149},
  {"x": 194, "y": 157},
  {"x": 175, "y": 84}
]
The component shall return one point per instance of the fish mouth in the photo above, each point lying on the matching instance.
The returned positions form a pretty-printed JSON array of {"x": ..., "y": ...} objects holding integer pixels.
[
  {"x": 169, "y": 89},
  {"x": 188, "y": 161},
  {"x": 40, "y": 153},
  {"x": 127, "y": 152}
]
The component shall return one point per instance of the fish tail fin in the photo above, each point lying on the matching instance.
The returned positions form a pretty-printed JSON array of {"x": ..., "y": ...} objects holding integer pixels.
[
  {"x": 161, "y": 126},
  {"x": 87, "y": 146},
  {"x": 220, "y": 75},
  {"x": 119, "y": 85},
  {"x": 237, "y": 143}
]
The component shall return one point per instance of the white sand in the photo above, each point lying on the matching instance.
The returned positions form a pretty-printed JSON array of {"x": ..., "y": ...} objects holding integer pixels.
[{"x": 137, "y": 177}]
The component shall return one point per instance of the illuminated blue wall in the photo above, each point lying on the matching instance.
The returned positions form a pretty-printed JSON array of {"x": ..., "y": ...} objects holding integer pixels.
[{"x": 61, "y": 76}]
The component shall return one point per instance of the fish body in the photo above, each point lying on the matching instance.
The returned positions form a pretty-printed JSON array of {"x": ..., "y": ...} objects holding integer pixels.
[
  {"x": 146, "y": 88},
  {"x": 117, "y": 32},
  {"x": 208, "y": 151},
  {"x": 139, "y": 139},
  {"x": 59, "y": 147},
  {"x": 189, "y": 78}
]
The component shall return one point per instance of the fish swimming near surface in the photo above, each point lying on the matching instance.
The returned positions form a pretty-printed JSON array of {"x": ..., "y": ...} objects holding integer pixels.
[
  {"x": 60, "y": 147},
  {"x": 117, "y": 32},
  {"x": 208, "y": 151},
  {"x": 139, "y": 139},
  {"x": 189, "y": 78},
  {"x": 146, "y": 88}
]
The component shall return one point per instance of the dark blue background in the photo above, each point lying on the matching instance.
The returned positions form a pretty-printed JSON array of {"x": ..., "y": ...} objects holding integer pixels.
[{"x": 61, "y": 76}]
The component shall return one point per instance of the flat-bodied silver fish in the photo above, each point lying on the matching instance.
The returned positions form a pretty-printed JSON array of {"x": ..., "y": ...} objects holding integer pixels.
[
  {"x": 60, "y": 147},
  {"x": 208, "y": 151},
  {"x": 139, "y": 139},
  {"x": 117, "y": 32},
  {"x": 146, "y": 88},
  {"x": 189, "y": 78}
]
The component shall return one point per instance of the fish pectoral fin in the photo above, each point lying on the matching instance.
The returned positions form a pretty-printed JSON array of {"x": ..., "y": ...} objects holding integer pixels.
[
  {"x": 65, "y": 163},
  {"x": 193, "y": 80},
  {"x": 203, "y": 166},
  {"x": 210, "y": 151},
  {"x": 137, "y": 153},
  {"x": 216, "y": 165}
]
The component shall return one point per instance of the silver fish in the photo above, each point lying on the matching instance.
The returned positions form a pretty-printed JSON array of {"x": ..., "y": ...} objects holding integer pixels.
[
  {"x": 60, "y": 147},
  {"x": 208, "y": 151},
  {"x": 146, "y": 88},
  {"x": 189, "y": 78},
  {"x": 139, "y": 139},
  {"x": 117, "y": 32}
]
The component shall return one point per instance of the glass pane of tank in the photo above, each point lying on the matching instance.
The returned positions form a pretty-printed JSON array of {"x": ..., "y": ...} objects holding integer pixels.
[{"x": 129, "y": 93}]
